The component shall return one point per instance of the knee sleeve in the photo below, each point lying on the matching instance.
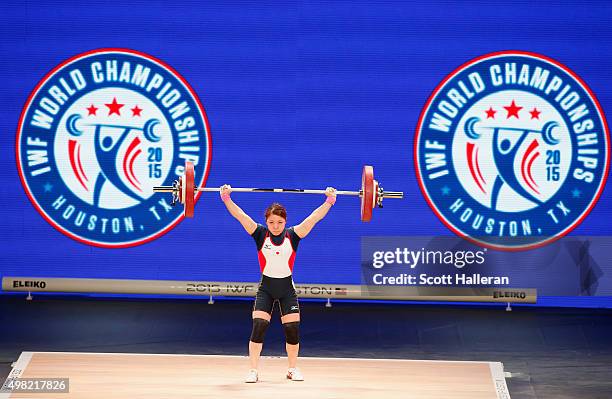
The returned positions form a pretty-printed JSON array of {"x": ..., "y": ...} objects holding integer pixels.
[
  {"x": 259, "y": 330},
  {"x": 292, "y": 332}
]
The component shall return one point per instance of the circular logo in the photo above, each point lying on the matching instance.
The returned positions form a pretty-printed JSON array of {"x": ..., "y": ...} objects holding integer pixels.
[
  {"x": 98, "y": 133},
  {"x": 512, "y": 150}
]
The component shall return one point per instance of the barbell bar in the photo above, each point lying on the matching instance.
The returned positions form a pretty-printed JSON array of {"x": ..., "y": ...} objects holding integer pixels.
[{"x": 183, "y": 191}]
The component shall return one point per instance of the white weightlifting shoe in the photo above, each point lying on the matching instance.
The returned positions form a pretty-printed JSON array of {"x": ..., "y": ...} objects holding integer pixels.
[
  {"x": 251, "y": 376},
  {"x": 294, "y": 374}
]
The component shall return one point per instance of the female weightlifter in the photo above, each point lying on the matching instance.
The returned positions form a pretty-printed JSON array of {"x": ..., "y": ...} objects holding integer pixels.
[{"x": 276, "y": 246}]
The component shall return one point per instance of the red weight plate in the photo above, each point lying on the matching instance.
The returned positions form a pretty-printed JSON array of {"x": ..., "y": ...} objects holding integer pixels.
[
  {"x": 367, "y": 193},
  {"x": 188, "y": 189}
]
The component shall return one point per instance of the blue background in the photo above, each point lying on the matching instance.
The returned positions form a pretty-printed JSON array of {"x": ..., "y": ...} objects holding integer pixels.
[{"x": 298, "y": 94}]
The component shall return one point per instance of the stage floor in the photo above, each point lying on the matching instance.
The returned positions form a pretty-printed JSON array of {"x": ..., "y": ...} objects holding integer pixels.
[{"x": 124, "y": 375}]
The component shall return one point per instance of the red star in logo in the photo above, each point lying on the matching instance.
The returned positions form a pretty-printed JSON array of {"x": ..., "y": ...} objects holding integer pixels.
[
  {"x": 490, "y": 113},
  {"x": 535, "y": 114},
  {"x": 114, "y": 107},
  {"x": 91, "y": 110},
  {"x": 513, "y": 110},
  {"x": 136, "y": 111}
]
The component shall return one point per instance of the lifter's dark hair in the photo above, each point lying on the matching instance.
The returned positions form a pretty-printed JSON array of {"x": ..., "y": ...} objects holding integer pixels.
[{"x": 276, "y": 209}]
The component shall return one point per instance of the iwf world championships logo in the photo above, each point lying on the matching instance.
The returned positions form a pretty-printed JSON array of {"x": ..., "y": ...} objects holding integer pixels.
[
  {"x": 512, "y": 150},
  {"x": 97, "y": 133}
]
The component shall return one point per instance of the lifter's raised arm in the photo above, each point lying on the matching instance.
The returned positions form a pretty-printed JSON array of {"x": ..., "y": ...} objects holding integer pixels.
[
  {"x": 245, "y": 220},
  {"x": 304, "y": 228}
]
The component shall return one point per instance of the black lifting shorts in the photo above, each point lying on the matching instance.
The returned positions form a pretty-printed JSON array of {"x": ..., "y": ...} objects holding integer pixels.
[{"x": 276, "y": 289}]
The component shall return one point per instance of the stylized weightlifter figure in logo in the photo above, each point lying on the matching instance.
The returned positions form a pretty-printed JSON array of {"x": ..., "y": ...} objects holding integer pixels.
[
  {"x": 107, "y": 151},
  {"x": 504, "y": 156}
]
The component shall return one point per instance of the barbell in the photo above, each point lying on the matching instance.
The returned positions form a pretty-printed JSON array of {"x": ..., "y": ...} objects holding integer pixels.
[{"x": 183, "y": 191}]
